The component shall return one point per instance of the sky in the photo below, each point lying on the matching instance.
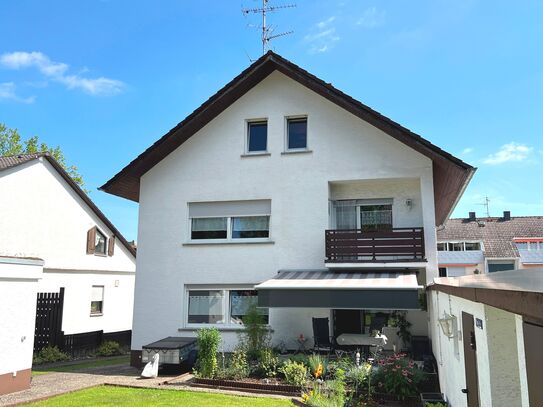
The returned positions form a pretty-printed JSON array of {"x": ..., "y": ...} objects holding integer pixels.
[{"x": 104, "y": 79}]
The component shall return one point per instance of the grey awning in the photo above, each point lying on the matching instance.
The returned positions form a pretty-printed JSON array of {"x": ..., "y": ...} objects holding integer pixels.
[{"x": 325, "y": 289}]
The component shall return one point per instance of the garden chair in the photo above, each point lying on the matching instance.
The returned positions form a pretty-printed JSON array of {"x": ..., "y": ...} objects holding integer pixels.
[{"x": 323, "y": 342}]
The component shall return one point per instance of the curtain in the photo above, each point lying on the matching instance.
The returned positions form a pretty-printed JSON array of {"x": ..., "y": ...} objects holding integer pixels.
[
  {"x": 205, "y": 303},
  {"x": 249, "y": 223},
  {"x": 208, "y": 224},
  {"x": 345, "y": 215}
]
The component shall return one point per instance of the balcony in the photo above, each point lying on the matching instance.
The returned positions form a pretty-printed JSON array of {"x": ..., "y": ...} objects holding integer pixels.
[{"x": 358, "y": 248}]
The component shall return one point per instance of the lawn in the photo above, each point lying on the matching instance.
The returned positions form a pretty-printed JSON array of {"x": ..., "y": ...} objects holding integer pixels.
[
  {"x": 120, "y": 396},
  {"x": 120, "y": 360}
]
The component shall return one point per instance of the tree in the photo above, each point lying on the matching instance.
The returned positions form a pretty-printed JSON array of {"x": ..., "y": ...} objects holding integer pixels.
[{"x": 11, "y": 144}]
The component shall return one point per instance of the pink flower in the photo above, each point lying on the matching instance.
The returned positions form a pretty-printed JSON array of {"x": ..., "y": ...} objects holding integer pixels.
[
  {"x": 398, "y": 367},
  {"x": 409, "y": 380}
]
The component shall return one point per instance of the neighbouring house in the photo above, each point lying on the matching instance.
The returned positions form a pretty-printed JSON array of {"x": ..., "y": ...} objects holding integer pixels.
[
  {"x": 283, "y": 191},
  {"x": 86, "y": 292},
  {"x": 19, "y": 279},
  {"x": 485, "y": 245},
  {"x": 487, "y": 332}
]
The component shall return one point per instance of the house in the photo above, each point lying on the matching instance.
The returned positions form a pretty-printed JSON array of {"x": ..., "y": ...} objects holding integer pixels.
[
  {"x": 88, "y": 276},
  {"x": 486, "y": 333},
  {"x": 485, "y": 245},
  {"x": 283, "y": 191},
  {"x": 19, "y": 279}
]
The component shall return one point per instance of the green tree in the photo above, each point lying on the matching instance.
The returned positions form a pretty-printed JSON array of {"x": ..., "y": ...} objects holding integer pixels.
[{"x": 11, "y": 144}]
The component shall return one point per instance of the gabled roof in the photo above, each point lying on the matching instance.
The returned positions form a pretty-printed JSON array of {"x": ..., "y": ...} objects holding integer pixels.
[
  {"x": 451, "y": 175},
  {"x": 16, "y": 160},
  {"x": 497, "y": 234}
]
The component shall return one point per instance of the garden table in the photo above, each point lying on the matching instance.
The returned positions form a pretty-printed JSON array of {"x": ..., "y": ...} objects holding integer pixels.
[{"x": 361, "y": 340}]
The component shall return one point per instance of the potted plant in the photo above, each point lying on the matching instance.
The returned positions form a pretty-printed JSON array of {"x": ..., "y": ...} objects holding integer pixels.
[{"x": 433, "y": 400}]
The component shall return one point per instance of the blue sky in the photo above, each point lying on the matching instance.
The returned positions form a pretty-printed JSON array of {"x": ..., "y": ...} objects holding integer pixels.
[{"x": 105, "y": 79}]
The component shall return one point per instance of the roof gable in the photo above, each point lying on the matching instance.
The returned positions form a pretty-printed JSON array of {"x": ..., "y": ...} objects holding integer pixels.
[
  {"x": 451, "y": 175},
  {"x": 7, "y": 162}
]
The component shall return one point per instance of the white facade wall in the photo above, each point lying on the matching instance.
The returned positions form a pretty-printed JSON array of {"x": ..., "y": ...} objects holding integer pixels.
[
  {"x": 210, "y": 167},
  {"x": 42, "y": 216},
  {"x": 501, "y": 361},
  {"x": 18, "y": 288}
]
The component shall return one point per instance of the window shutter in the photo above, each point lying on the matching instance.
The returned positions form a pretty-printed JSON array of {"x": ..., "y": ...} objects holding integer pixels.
[
  {"x": 91, "y": 240},
  {"x": 111, "y": 246}
]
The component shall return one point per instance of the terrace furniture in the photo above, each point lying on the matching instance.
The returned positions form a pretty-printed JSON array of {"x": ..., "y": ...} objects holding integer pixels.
[{"x": 323, "y": 342}]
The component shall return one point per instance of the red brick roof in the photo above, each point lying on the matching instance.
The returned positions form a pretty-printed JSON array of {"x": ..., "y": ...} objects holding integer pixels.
[{"x": 496, "y": 234}]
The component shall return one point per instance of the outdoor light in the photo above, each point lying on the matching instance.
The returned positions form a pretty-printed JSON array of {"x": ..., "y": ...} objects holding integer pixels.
[{"x": 448, "y": 324}]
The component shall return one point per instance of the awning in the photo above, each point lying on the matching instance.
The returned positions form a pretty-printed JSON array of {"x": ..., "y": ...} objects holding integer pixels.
[{"x": 326, "y": 289}]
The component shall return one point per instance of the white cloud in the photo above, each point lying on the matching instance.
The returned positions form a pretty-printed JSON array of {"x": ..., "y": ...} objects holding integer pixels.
[
  {"x": 57, "y": 71},
  {"x": 512, "y": 152},
  {"x": 467, "y": 150},
  {"x": 7, "y": 92},
  {"x": 323, "y": 36},
  {"x": 372, "y": 18}
]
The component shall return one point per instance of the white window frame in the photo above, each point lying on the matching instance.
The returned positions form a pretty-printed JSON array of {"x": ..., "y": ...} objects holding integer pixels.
[
  {"x": 247, "y": 134},
  {"x": 538, "y": 243},
  {"x": 229, "y": 238},
  {"x": 293, "y": 150},
  {"x": 463, "y": 242},
  {"x": 98, "y": 314},
  {"x": 225, "y": 303}
]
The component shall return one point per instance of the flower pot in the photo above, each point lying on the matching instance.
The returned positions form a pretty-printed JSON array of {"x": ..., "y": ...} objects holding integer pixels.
[{"x": 432, "y": 398}]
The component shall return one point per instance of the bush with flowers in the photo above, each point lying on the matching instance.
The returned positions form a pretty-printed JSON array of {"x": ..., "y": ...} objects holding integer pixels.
[
  {"x": 329, "y": 393},
  {"x": 397, "y": 375}
]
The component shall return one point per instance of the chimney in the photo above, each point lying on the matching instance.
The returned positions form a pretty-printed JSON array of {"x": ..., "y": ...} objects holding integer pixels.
[
  {"x": 506, "y": 215},
  {"x": 472, "y": 217}
]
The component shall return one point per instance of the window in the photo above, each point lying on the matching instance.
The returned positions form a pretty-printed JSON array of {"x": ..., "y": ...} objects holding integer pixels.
[
  {"x": 458, "y": 246},
  {"x": 230, "y": 220},
  {"x": 364, "y": 214},
  {"x": 97, "y": 300},
  {"x": 208, "y": 228},
  {"x": 218, "y": 306},
  {"x": 441, "y": 247},
  {"x": 375, "y": 217},
  {"x": 532, "y": 245},
  {"x": 257, "y": 136},
  {"x": 250, "y": 227},
  {"x": 100, "y": 243},
  {"x": 206, "y": 307},
  {"x": 472, "y": 246},
  {"x": 240, "y": 302},
  {"x": 297, "y": 133},
  {"x": 442, "y": 272}
]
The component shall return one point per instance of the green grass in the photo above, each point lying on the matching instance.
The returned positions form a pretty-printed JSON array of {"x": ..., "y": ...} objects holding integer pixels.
[
  {"x": 121, "y": 396},
  {"x": 119, "y": 360}
]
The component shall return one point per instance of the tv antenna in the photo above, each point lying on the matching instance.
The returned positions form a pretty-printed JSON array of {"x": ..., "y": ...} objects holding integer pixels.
[
  {"x": 267, "y": 30},
  {"x": 486, "y": 204}
]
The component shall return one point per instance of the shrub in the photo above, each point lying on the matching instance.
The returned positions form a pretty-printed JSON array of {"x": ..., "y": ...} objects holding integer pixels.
[
  {"x": 239, "y": 364},
  {"x": 109, "y": 348},
  {"x": 397, "y": 375},
  {"x": 344, "y": 363},
  {"x": 255, "y": 335},
  {"x": 268, "y": 363},
  {"x": 50, "y": 354},
  {"x": 357, "y": 378},
  {"x": 295, "y": 373},
  {"x": 208, "y": 345},
  {"x": 318, "y": 366}
]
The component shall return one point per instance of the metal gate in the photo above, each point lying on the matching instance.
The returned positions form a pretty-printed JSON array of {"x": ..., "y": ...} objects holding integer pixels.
[{"x": 48, "y": 329}]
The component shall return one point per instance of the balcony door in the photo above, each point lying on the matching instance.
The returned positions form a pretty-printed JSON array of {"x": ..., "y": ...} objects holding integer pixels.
[{"x": 363, "y": 214}]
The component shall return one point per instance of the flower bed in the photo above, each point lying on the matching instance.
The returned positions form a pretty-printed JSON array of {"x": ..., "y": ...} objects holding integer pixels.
[{"x": 248, "y": 384}]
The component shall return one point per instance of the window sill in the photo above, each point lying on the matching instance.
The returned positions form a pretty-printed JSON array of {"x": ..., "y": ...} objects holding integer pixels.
[
  {"x": 227, "y": 242},
  {"x": 222, "y": 328},
  {"x": 257, "y": 154},
  {"x": 97, "y": 314},
  {"x": 301, "y": 151}
]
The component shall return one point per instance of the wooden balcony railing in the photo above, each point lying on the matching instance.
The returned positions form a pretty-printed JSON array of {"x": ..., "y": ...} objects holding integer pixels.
[{"x": 391, "y": 245}]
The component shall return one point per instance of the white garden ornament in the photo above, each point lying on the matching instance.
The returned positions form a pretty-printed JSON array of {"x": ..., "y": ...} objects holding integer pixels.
[{"x": 151, "y": 369}]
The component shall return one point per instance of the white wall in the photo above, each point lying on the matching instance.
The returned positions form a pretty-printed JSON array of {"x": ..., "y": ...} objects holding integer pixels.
[
  {"x": 41, "y": 216},
  {"x": 18, "y": 288},
  {"x": 209, "y": 167},
  {"x": 118, "y": 299}
]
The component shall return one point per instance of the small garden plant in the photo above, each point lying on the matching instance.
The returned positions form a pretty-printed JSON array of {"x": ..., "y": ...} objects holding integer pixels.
[
  {"x": 109, "y": 348},
  {"x": 50, "y": 354},
  {"x": 255, "y": 335},
  {"x": 397, "y": 375},
  {"x": 208, "y": 346},
  {"x": 268, "y": 363},
  {"x": 295, "y": 373}
]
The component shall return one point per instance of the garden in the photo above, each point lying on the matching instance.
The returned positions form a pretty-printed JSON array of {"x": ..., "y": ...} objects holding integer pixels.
[{"x": 342, "y": 379}]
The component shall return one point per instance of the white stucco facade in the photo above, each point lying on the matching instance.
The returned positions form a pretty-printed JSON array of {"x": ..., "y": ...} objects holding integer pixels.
[
  {"x": 42, "y": 216},
  {"x": 347, "y": 159},
  {"x": 18, "y": 287}
]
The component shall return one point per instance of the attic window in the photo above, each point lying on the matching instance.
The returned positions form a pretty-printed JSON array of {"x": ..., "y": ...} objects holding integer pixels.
[
  {"x": 257, "y": 136},
  {"x": 97, "y": 243},
  {"x": 297, "y": 133},
  {"x": 100, "y": 243}
]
